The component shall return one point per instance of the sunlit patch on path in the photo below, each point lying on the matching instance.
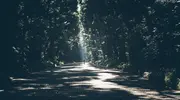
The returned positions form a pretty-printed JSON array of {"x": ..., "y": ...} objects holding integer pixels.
[{"x": 84, "y": 81}]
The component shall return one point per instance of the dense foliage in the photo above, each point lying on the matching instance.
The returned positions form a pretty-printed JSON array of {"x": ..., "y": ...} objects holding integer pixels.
[{"x": 143, "y": 35}]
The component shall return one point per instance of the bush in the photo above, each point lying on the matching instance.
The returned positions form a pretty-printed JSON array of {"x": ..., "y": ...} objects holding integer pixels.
[
  {"x": 111, "y": 63},
  {"x": 171, "y": 80},
  {"x": 146, "y": 75},
  {"x": 178, "y": 84},
  {"x": 124, "y": 66},
  {"x": 61, "y": 63},
  {"x": 157, "y": 79}
]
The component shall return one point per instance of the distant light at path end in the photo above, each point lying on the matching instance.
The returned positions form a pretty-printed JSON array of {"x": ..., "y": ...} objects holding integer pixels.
[{"x": 85, "y": 64}]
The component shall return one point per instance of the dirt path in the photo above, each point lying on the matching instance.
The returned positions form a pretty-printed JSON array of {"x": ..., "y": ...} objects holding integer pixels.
[{"x": 84, "y": 82}]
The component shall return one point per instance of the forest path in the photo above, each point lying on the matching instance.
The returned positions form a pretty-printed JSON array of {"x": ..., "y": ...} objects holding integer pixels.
[{"x": 84, "y": 82}]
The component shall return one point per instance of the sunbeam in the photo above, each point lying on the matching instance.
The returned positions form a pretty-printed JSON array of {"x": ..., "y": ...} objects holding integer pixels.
[{"x": 82, "y": 42}]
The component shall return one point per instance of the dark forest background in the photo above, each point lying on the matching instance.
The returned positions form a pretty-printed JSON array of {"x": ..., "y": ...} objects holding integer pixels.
[{"x": 133, "y": 35}]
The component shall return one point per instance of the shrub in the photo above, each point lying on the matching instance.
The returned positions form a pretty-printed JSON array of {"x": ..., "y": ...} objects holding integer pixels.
[
  {"x": 124, "y": 66},
  {"x": 157, "y": 79},
  {"x": 61, "y": 62},
  {"x": 146, "y": 75},
  {"x": 171, "y": 81},
  {"x": 178, "y": 84}
]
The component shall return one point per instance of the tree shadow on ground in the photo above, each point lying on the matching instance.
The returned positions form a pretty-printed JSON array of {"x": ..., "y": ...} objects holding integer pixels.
[
  {"x": 53, "y": 88},
  {"x": 132, "y": 81},
  {"x": 79, "y": 82}
]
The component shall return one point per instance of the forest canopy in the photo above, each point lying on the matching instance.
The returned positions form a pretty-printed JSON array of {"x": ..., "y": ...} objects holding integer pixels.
[{"x": 142, "y": 35}]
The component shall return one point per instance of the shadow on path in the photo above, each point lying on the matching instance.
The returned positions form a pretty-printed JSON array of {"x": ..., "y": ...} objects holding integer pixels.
[{"x": 82, "y": 82}]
